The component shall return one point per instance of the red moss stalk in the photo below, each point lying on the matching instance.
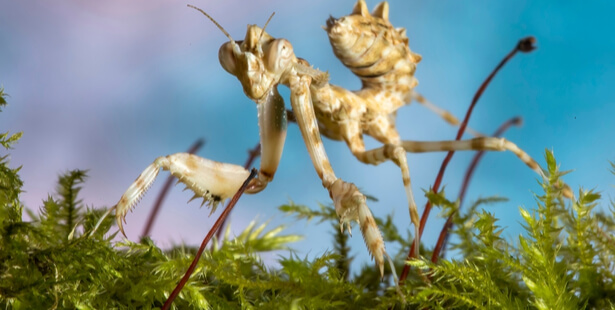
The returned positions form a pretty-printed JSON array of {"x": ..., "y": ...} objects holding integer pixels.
[
  {"x": 210, "y": 234},
  {"x": 252, "y": 155},
  {"x": 524, "y": 45},
  {"x": 444, "y": 233}
]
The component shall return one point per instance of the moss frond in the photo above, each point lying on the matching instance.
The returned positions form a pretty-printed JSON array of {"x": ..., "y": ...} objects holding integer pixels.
[
  {"x": 301, "y": 212},
  {"x": 7, "y": 140}
]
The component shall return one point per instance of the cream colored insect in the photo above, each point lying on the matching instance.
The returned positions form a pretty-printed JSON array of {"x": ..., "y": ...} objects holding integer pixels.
[{"x": 379, "y": 55}]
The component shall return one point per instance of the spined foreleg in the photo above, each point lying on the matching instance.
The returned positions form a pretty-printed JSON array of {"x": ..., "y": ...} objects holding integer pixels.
[{"x": 213, "y": 181}]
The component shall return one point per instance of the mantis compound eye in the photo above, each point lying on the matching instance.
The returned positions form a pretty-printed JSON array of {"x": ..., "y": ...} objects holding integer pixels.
[
  {"x": 279, "y": 55},
  {"x": 227, "y": 58}
]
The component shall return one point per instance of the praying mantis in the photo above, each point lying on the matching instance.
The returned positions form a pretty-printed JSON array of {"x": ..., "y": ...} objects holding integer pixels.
[{"x": 378, "y": 54}]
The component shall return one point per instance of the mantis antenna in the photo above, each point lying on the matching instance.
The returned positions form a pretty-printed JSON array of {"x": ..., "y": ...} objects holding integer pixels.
[
  {"x": 215, "y": 22},
  {"x": 264, "y": 27}
]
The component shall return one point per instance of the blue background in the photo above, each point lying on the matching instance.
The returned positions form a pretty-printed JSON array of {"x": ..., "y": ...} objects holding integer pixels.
[{"x": 110, "y": 85}]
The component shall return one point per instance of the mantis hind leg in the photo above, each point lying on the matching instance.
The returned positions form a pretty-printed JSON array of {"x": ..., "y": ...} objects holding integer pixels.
[{"x": 481, "y": 144}]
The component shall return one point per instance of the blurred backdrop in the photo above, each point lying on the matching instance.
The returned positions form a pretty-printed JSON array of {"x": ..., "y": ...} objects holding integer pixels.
[{"x": 109, "y": 86}]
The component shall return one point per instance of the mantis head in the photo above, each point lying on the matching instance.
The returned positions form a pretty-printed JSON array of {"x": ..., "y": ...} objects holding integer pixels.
[{"x": 259, "y": 62}]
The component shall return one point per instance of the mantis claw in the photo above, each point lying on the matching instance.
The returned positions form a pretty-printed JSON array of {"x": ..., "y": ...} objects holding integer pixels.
[{"x": 211, "y": 180}]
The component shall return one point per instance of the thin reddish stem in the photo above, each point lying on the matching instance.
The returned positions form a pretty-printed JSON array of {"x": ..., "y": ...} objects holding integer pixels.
[
  {"x": 164, "y": 192},
  {"x": 210, "y": 234},
  {"x": 444, "y": 233},
  {"x": 524, "y": 45},
  {"x": 252, "y": 155}
]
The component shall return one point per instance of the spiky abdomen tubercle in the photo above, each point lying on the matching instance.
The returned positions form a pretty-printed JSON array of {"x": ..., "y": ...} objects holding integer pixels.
[{"x": 375, "y": 51}]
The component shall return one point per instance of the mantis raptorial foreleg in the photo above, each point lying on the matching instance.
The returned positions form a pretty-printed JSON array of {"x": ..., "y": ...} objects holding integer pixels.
[
  {"x": 213, "y": 181},
  {"x": 272, "y": 123}
]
